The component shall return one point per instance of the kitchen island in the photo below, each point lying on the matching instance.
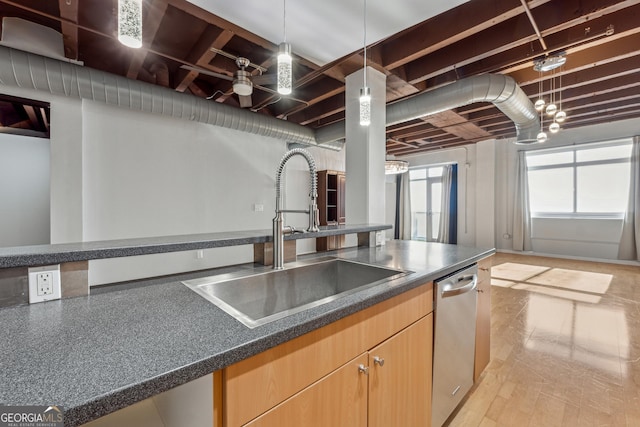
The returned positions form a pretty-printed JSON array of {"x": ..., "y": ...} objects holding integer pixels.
[{"x": 94, "y": 355}]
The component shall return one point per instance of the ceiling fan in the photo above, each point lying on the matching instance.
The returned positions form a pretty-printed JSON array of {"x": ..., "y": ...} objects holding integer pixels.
[{"x": 243, "y": 80}]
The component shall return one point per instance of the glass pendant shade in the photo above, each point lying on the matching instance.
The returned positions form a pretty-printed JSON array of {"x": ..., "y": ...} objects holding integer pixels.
[
  {"x": 542, "y": 137},
  {"x": 365, "y": 106},
  {"x": 539, "y": 104},
  {"x": 554, "y": 127},
  {"x": 561, "y": 116},
  {"x": 394, "y": 167},
  {"x": 284, "y": 69},
  {"x": 130, "y": 23},
  {"x": 551, "y": 109}
]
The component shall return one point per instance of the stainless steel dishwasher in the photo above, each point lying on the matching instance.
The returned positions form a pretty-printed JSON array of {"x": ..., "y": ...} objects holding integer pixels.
[{"x": 454, "y": 341}]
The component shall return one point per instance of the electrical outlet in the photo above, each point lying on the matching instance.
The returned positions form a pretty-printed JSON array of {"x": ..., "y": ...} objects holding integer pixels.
[{"x": 44, "y": 283}]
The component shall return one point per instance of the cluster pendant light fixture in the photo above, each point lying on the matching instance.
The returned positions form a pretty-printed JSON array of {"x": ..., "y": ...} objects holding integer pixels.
[
  {"x": 365, "y": 91},
  {"x": 284, "y": 58},
  {"x": 553, "y": 111},
  {"x": 130, "y": 23}
]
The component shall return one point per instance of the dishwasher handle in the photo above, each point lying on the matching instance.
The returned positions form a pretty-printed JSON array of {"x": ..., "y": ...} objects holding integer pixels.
[{"x": 463, "y": 285}]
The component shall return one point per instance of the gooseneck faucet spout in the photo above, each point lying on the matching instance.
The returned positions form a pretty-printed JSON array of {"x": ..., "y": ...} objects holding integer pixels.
[{"x": 278, "y": 229}]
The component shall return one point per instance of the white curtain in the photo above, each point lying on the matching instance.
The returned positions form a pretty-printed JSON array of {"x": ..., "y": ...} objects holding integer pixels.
[
  {"x": 404, "y": 228},
  {"x": 443, "y": 229},
  {"x": 521, "y": 214},
  {"x": 629, "y": 247}
]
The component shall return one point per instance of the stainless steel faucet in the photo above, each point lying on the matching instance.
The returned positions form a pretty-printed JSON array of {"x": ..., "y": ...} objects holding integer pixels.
[{"x": 278, "y": 229}]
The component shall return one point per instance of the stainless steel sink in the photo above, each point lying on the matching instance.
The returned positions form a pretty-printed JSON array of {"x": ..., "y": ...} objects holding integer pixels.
[{"x": 256, "y": 299}]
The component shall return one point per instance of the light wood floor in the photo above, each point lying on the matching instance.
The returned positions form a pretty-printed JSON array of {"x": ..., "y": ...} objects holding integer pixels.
[{"x": 565, "y": 346}]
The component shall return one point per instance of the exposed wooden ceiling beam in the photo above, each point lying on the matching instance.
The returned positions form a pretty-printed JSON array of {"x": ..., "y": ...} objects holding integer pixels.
[
  {"x": 452, "y": 26},
  {"x": 202, "y": 53},
  {"x": 509, "y": 43},
  {"x": 69, "y": 13}
]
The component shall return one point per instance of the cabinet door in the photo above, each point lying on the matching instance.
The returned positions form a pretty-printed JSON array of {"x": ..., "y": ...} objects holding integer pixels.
[
  {"x": 339, "y": 399},
  {"x": 483, "y": 318},
  {"x": 400, "y": 379}
]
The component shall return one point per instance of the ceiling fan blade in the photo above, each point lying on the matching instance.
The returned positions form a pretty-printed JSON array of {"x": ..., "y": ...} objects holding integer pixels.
[
  {"x": 264, "y": 79},
  {"x": 245, "y": 101},
  {"x": 207, "y": 72}
]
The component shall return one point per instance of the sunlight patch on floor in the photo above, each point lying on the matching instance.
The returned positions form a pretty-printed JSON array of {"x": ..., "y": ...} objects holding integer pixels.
[{"x": 516, "y": 272}]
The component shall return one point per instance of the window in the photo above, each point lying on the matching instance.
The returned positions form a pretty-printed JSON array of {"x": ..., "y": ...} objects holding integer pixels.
[
  {"x": 426, "y": 200},
  {"x": 586, "y": 180}
]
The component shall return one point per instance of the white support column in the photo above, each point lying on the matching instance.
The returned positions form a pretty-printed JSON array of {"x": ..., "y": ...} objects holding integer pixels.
[{"x": 365, "y": 145}]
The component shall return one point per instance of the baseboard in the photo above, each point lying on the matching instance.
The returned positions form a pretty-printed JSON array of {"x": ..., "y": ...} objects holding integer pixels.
[{"x": 576, "y": 258}]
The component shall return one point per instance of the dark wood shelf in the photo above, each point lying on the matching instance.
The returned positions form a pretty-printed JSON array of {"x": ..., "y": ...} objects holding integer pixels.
[{"x": 331, "y": 192}]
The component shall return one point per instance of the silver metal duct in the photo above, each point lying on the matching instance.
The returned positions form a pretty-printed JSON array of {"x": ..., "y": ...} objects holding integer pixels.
[
  {"x": 499, "y": 89},
  {"x": 27, "y": 70}
]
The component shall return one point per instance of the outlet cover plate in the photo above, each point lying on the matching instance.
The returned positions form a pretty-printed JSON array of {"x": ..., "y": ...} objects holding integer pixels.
[{"x": 55, "y": 283}]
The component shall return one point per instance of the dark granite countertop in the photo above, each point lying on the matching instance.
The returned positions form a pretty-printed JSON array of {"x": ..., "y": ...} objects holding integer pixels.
[
  {"x": 94, "y": 355},
  {"x": 27, "y": 256}
]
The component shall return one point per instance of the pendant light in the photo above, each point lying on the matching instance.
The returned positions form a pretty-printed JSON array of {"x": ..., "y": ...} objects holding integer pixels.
[
  {"x": 365, "y": 92},
  {"x": 130, "y": 23},
  {"x": 284, "y": 58},
  {"x": 542, "y": 135},
  {"x": 394, "y": 167}
]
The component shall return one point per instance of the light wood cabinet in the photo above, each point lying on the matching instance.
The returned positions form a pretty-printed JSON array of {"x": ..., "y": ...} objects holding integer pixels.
[
  {"x": 337, "y": 400},
  {"x": 389, "y": 385},
  {"x": 400, "y": 378},
  {"x": 267, "y": 381},
  {"x": 483, "y": 318}
]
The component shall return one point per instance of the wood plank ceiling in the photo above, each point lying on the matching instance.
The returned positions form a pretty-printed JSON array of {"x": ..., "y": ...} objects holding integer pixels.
[{"x": 600, "y": 80}]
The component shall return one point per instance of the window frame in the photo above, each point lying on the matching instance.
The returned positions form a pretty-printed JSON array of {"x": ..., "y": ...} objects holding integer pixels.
[
  {"x": 429, "y": 181},
  {"x": 574, "y": 165}
]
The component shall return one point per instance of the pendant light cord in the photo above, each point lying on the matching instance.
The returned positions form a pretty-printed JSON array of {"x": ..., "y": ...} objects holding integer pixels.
[
  {"x": 365, "y": 43},
  {"x": 560, "y": 107},
  {"x": 284, "y": 20}
]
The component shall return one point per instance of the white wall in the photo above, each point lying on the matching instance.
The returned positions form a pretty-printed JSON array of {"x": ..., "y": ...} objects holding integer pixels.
[
  {"x": 485, "y": 193},
  {"x": 172, "y": 176},
  {"x": 390, "y": 205},
  {"x": 117, "y": 174},
  {"x": 24, "y": 190}
]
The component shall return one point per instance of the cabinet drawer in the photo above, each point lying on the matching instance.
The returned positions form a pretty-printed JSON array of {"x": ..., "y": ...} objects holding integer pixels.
[
  {"x": 337, "y": 400},
  {"x": 255, "y": 385}
]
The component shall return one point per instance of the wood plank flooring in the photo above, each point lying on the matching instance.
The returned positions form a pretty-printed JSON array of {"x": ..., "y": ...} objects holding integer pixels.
[{"x": 565, "y": 346}]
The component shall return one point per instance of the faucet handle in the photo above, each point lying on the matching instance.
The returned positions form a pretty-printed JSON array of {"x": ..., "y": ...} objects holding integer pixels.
[{"x": 314, "y": 216}]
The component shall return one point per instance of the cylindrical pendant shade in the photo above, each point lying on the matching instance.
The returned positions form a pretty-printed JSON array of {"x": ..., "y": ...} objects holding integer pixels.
[
  {"x": 130, "y": 23},
  {"x": 284, "y": 69},
  {"x": 365, "y": 106}
]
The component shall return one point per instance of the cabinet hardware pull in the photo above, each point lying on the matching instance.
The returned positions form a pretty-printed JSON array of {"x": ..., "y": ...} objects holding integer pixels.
[
  {"x": 378, "y": 360},
  {"x": 481, "y": 291},
  {"x": 363, "y": 369}
]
